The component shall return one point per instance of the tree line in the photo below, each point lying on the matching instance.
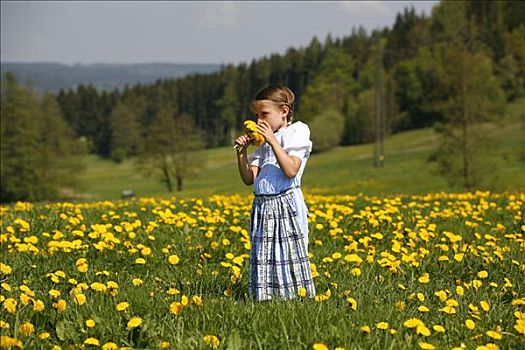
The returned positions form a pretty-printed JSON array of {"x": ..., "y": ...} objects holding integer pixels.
[{"x": 452, "y": 70}]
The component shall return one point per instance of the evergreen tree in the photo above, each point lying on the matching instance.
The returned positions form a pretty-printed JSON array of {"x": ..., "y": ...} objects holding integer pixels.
[{"x": 228, "y": 107}]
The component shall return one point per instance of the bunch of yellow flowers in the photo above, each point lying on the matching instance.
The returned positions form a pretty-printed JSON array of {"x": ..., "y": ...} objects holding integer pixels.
[{"x": 250, "y": 129}]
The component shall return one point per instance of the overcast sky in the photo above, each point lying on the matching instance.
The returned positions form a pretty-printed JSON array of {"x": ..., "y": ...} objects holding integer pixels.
[{"x": 179, "y": 32}]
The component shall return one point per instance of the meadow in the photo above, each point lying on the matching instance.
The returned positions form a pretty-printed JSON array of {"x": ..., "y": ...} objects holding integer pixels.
[
  {"x": 440, "y": 270},
  {"x": 342, "y": 170},
  {"x": 401, "y": 261}
]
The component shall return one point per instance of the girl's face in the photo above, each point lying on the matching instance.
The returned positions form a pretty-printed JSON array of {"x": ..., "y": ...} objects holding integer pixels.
[{"x": 270, "y": 112}]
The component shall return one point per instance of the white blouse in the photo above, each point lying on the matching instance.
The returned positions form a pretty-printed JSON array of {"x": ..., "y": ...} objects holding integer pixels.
[{"x": 295, "y": 141}]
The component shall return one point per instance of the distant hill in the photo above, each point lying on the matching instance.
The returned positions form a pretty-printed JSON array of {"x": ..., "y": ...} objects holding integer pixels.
[{"x": 56, "y": 76}]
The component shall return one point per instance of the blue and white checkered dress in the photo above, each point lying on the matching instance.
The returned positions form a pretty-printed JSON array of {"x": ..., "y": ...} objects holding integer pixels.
[{"x": 279, "y": 263}]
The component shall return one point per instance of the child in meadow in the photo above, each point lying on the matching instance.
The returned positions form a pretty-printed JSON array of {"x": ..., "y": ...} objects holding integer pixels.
[{"x": 279, "y": 263}]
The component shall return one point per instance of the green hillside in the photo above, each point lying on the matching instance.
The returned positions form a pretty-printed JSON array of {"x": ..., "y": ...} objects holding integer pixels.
[{"x": 343, "y": 170}]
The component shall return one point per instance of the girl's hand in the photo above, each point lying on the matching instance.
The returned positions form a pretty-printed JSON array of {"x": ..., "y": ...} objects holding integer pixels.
[
  {"x": 266, "y": 131},
  {"x": 242, "y": 143}
]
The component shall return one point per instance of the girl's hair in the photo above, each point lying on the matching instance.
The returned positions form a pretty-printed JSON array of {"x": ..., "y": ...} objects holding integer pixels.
[{"x": 280, "y": 95}]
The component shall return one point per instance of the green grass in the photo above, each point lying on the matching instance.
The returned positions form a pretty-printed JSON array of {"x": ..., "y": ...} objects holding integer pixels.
[
  {"x": 491, "y": 238},
  {"x": 342, "y": 170}
]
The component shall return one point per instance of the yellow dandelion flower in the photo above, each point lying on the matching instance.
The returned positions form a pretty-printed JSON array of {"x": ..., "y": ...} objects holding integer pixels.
[
  {"x": 140, "y": 261},
  {"x": 5, "y": 269},
  {"x": 212, "y": 341},
  {"x": 319, "y": 346},
  {"x": 352, "y": 302},
  {"x": 423, "y": 308},
  {"x": 520, "y": 326},
  {"x": 122, "y": 306},
  {"x": 173, "y": 291},
  {"x": 448, "y": 309},
  {"x": 484, "y": 305},
  {"x": 110, "y": 346},
  {"x": 365, "y": 329},
  {"x": 54, "y": 293},
  {"x": 173, "y": 259},
  {"x": 92, "y": 341},
  {"x": 38, "y": 305},
  {"x": 176, "y": 307},
  {"x": 301, "y": 292},
  {"x": 112, "y": 284},
  {"x": 90, "y": 323},
  {"x": 99, "y": 287},
  {"x": 413, "y": 322},
  {"x": 460, "y": 290},
  {"x": 441, "y": 294},
  {"x": 134, "y": 322},
  {"x": 382, "y": 325},
  {"x": 137, "y": 282},
  {"x": 197, "y": 300},
  {"x": 439, "y": 328},
  {"x": 470, "y": 324},
  {"x": 9, "y": 342},
  {"x": 27, "y": 329},
  {"x": 60, "y": 305},
  {"x": 82, "y": 265},
  {"x": 423, "y": 330},
  {"x": 494, "y": 334},
  {"x": 483, "y": 274},
  {"x": 44, "y": 335},
  {"x": 79, "y": 298},
  {"x": 426, "y": 346},
  {"x": 424, "y": 278}
]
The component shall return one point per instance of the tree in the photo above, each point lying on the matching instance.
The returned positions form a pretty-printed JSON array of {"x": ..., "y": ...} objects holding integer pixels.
[
  {"x": 168, "y": 151},
  {"x": 19, "y": 144},
  {"x": 37, "y": 146},
  {"x": 228, "y": 106},
  {"x": 125, "y": 132},
  {"x": 59, "y": 149},
  {"x": 511, "y": 68},
  {"x": 470, "y": 95},
  {"x": 331, "y": 86},
  {"x": 327, "y": 129}
]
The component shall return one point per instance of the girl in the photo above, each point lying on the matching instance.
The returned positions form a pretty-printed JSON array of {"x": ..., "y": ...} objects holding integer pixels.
[{"x": 279, "y": 264}]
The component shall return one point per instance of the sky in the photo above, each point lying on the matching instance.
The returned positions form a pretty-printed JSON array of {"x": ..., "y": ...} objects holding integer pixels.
[{"x": 180, "y": 32}]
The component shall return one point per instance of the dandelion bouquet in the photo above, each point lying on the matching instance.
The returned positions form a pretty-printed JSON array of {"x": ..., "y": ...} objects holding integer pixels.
[{"x": 250, "y": 129}]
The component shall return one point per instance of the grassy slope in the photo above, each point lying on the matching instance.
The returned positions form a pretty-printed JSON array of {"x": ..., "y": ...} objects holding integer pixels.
[{"x": 342, "y": 170}]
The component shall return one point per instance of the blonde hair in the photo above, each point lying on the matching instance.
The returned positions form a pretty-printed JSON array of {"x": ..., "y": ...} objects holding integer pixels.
[{"x": 278, "y": 94}]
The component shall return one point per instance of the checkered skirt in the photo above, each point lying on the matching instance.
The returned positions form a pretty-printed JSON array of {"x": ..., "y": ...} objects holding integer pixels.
[{"x": 279, "y": 263}]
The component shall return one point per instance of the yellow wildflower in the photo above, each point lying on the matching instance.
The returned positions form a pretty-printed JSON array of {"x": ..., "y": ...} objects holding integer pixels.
[
  {"x": 212, "y": 341},
  {"x": 134, "y": 322}
]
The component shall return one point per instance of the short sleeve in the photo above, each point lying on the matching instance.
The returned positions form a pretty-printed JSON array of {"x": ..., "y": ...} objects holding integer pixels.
[
  {"x": 296, "y": 142},
  {"x": 255, "y": 158}
]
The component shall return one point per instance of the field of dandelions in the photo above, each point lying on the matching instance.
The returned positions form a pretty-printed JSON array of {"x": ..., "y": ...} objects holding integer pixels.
[{"x": 435, "y": 271}]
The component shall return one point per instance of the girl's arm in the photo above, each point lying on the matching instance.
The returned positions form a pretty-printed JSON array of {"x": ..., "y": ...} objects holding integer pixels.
[
  {"x": 289, "y": 164},
  {"x": 248, "y": 173}
]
